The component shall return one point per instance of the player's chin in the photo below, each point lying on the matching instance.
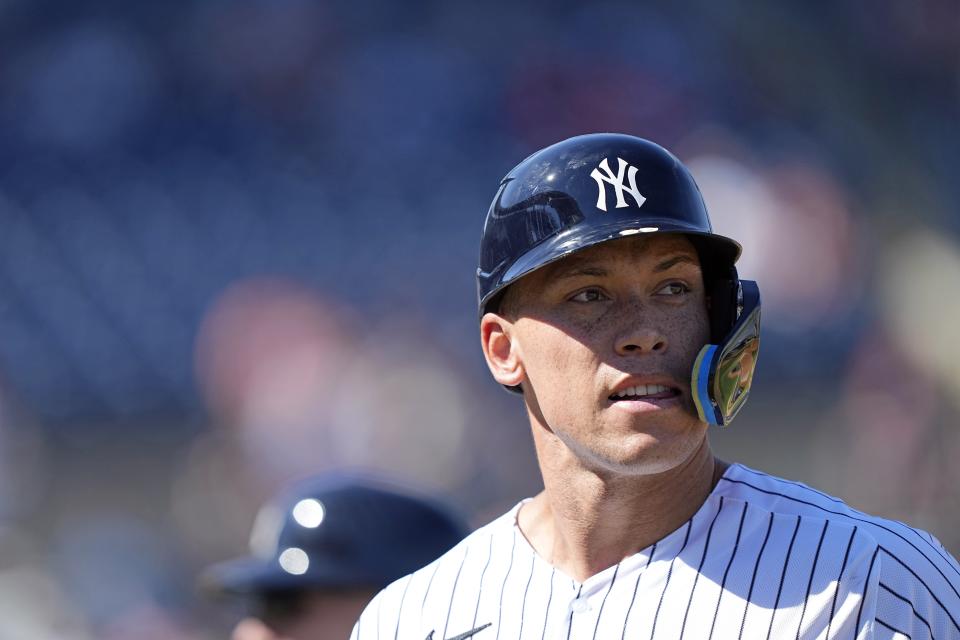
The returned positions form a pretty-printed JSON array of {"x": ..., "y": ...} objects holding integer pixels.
[{"x": 655, "y": 445}]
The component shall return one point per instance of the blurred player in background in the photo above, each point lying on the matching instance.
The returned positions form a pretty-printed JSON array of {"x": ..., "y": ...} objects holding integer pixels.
[{"x": 322, "y": 550}]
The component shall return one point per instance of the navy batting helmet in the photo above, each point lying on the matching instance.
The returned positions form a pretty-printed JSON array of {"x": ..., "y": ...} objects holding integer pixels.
[
  {"x": 337, "y": 533},
  {"x": 600, "y": 187}
]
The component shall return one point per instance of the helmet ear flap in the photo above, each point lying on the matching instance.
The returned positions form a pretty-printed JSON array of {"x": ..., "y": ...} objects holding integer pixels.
[
  {"x": 722, "y": 306},
  {"x": 721, "y": 284}
]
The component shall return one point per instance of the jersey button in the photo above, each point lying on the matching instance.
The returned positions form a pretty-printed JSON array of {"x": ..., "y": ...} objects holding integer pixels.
[{"x": 580, "y": 605}]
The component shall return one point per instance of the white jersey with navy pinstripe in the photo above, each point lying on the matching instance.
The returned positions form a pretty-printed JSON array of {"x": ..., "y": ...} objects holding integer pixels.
[{"x": 762, "y": 558}]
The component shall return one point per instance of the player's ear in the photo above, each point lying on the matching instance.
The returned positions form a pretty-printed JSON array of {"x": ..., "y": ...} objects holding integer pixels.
[{"x": 501, "y": 349}]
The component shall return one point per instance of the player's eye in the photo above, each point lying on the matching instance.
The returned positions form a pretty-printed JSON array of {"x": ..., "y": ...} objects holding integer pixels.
[
  {"x": 674, "y": 289},
  {"x": 589, "y": 295}
]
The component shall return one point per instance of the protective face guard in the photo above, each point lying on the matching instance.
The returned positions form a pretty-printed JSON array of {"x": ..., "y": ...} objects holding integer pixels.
[{"x": 722, "y": 373}]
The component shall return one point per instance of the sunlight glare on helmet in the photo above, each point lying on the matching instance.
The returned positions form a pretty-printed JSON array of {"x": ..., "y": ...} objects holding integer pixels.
[
  {"x": 309, "y": 513},
  {"x": 294, "y": 561}
]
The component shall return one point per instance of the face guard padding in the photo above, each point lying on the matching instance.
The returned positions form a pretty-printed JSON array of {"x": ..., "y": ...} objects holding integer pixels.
[{"x": 723, "y": 373}]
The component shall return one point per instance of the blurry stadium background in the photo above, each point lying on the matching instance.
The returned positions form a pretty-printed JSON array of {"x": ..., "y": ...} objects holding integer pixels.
[{"x": 238, "y": 240}]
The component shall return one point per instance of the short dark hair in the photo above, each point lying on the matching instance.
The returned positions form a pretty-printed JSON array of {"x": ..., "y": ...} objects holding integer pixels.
[{"x": 508, "y": 304}]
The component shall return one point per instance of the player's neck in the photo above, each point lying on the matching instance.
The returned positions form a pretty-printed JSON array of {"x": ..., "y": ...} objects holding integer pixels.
[{"x": 583, "y": 523}]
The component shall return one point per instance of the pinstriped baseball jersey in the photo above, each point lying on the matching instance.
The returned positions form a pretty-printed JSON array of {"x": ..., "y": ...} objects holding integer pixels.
[{"x": 762, "y": 558}]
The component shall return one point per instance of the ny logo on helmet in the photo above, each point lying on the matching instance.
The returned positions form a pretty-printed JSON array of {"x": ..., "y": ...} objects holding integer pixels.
[{"x": 617, "y": 182}]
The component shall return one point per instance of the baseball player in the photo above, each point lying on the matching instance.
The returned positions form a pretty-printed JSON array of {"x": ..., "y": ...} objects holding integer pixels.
[
  {"x": 321, "y": 552},
  {"x": 607, "y": 302}
]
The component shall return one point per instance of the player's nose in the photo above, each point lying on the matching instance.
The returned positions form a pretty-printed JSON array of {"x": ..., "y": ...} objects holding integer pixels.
[{"x": 638, "y": 335}]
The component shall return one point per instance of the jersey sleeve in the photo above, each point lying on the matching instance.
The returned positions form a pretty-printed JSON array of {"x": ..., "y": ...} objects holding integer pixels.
[{"x": 917, "y": 594}]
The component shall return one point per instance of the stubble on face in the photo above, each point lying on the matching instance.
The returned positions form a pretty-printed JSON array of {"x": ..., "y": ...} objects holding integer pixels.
[{"x": 588, "y": 322}]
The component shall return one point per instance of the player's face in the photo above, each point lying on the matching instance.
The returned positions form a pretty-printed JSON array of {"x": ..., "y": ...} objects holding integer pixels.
[{"x": 604, "y": 342}]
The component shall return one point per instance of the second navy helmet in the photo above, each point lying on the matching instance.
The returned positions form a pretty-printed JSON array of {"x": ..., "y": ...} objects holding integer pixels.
[{"x": 337, "y": 532}]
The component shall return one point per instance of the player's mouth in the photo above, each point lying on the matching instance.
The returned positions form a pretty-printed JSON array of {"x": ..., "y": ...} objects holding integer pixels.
[{"x": 645, "y": 397}]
